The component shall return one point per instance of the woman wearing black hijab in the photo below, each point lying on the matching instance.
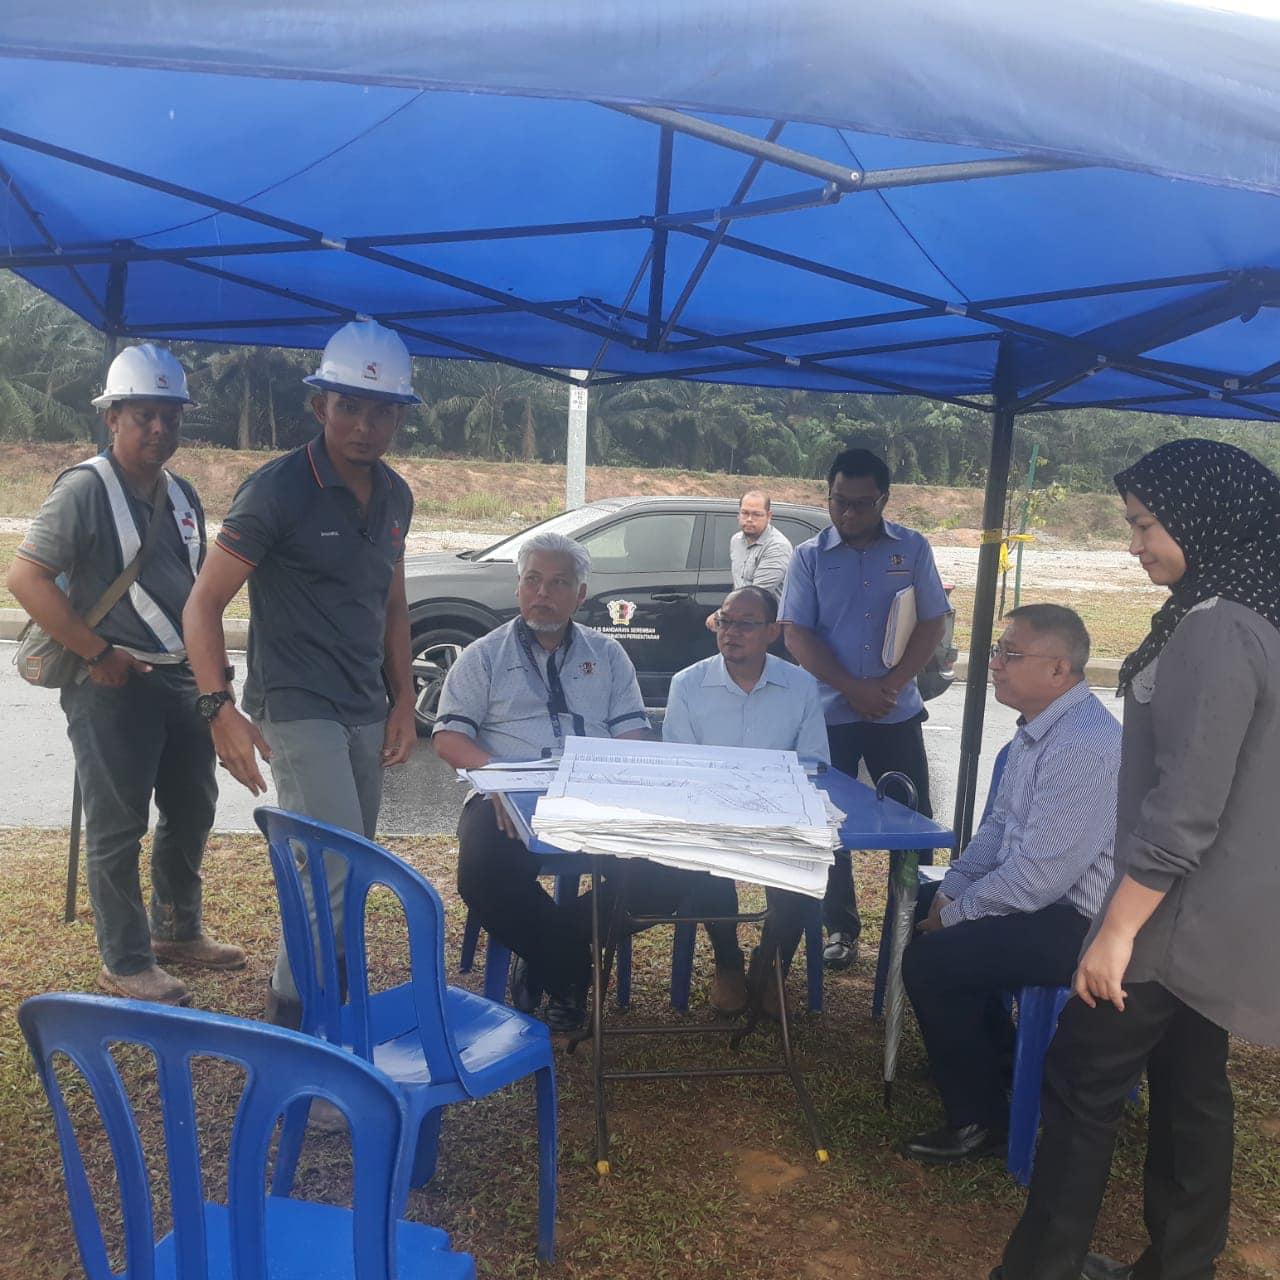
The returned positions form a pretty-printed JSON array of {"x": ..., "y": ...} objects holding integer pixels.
[{"x": 1186, "y": 948}]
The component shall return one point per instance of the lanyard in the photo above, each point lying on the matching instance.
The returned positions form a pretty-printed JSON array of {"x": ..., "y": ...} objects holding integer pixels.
[{"x": 557, "y": 705}]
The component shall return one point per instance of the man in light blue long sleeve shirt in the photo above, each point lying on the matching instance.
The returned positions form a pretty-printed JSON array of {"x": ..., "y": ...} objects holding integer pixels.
[
  {"x": 1014, "y": 908},
  {"x": 747, "y": 697}
]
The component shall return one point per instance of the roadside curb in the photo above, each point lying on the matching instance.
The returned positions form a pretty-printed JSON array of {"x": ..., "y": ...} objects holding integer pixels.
[
  {"x": 13, "y": 620},
  {"x": 1101, "y": 673}
]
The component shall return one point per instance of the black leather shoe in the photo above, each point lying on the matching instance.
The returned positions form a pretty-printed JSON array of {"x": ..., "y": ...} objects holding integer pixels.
[
  {"x": 947, "y": 1145},
  {"x": 840, "y": 952},
  {"x": 1098, "y": 1267},
  {"x": 566, "y": 1013},
  {"x": 524, "y": 996}
]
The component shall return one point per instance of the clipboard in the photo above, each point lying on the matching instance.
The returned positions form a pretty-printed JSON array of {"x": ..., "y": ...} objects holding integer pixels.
[{"x": 898, "y": 629}]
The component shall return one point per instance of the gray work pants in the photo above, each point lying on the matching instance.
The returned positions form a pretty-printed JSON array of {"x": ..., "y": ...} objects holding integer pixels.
[
  {"x": 331, "y": 772},
  {"x": 142, "y": 738}
]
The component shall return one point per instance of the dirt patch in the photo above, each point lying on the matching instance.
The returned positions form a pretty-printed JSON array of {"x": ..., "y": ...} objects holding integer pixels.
[
  {"x": 1263, "y": 1254},
  {"x": 833, "y": 1264},
  {"x": 765, "y": 1173}
]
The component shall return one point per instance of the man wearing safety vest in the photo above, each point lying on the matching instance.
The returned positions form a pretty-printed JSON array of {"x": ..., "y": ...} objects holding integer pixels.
[
  {"x": 319, "y": 534},
  {"x": 131, "y": 714}
]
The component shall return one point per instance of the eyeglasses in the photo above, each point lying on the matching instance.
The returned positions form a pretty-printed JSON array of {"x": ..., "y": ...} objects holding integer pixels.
[
  {"x": 863, "y": 506},
  {"x": 737, "y": 624},
  {"x": 999, "y": 653}
]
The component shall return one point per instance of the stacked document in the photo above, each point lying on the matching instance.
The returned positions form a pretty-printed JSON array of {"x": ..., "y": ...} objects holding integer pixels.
[{"x": 741, "y": 813}]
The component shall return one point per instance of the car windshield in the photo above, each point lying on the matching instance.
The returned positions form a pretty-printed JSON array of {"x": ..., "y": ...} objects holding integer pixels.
[{"x": 567, "y": 523}]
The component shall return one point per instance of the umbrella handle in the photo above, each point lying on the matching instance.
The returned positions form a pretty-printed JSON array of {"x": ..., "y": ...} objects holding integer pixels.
[{"x": 913, "y": 797}]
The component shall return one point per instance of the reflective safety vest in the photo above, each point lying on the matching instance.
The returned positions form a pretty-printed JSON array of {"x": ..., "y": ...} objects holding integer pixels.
[{"x": 130, "y": 543}]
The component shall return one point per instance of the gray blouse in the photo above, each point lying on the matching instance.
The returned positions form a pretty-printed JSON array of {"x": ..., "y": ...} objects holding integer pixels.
[{"x": 1198, "y": 803}]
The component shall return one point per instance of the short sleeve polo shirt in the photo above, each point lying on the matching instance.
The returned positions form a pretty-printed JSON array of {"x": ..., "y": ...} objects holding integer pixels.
[
  {"x": 73, "y": 534},
  {"x": 318, "y": 593},
  {"x": 843, "y": 594},
  {"x": 498, "y": 692}
]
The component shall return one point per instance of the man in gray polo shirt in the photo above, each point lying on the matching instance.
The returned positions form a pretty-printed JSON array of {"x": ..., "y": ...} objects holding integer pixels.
[
  {"x": 319, "y": 535},
  {"x": 759, "y": 554},
  {"x": 132, "y": 717},
  {"x": 515, "y": 693}
]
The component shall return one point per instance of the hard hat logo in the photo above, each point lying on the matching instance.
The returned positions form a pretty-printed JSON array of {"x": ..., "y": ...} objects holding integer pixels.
[
  {"x": 162, "y": 382},
  {"x": 363, "y": 353}
]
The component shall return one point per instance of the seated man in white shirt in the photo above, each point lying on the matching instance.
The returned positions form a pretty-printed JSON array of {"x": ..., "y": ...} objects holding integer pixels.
[
  {"x": 1014, "y": 909},
  {"x": 747, "y": 697}
]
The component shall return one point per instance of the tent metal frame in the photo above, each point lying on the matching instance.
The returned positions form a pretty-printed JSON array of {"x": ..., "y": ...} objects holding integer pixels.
[{"x": 1049, "y": 362}]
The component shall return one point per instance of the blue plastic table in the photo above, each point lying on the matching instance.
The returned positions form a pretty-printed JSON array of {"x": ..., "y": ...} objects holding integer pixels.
[{"x": 870, "y": 822}]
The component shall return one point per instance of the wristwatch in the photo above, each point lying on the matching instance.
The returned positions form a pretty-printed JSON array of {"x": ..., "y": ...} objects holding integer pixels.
[{"x": 209, "y": 704}]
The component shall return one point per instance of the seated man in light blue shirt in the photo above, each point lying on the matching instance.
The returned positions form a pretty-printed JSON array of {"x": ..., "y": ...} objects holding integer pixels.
[
  {"x": 747, "y": 697},
  {"x": 1014, "y": 908}
]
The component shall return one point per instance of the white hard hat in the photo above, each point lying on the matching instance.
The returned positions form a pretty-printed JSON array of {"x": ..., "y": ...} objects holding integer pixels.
[
  {"x": 145, "y": 372},
  {"x": 366, "y": 360}
]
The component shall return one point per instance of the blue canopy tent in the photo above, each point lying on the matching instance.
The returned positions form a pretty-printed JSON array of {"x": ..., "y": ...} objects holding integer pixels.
[{"x": 1002, "y": 204}]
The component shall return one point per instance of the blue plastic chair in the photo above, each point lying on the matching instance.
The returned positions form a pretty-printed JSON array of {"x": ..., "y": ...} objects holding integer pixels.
[
  {"x": 438, "y": 1043},
  {"x": 253, "y": 1235},
  {"x": 1038, "y": 1012}
]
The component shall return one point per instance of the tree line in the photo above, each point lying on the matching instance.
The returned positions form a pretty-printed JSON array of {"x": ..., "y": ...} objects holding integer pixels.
[{"x": 253, "y": 398}]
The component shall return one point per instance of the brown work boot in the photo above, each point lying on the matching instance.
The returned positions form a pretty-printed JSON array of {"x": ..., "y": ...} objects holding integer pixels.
[
  {"x": 203, "y": 952},
  {"x": 729, "y": 991},
  {"x": 150, "y": 984},
  {"x": 283, "y": 1011}
]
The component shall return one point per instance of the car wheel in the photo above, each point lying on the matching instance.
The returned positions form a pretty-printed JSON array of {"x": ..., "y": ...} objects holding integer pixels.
[{"x": 435, "y": 650}]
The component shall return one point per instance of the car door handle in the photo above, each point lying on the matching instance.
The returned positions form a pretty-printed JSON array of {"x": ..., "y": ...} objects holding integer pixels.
[{"x": 671, "y": 597}]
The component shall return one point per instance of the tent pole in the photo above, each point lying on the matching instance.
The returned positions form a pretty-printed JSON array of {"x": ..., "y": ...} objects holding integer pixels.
[
  {"x": 575, "y": 453},
  {"x": 984, "y": 600},
  {"x": 658, "y": 263}
]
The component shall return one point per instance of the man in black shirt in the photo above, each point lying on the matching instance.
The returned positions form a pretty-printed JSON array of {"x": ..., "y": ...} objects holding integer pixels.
[{"x": 319, "y": 534}]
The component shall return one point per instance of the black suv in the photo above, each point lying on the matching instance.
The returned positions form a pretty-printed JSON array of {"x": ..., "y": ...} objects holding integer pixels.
[{"x": 659, "y": 566}]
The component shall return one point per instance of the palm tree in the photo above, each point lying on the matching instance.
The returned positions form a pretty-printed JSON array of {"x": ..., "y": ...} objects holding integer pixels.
[
  {"x": 486, "y": 408},
  {"x": 250, "y": 386},
  {"x": 50, "y": 363}
]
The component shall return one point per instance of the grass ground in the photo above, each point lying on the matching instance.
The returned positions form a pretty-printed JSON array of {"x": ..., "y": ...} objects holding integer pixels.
[
  {"x": 710, "y": 1178},
  {"x": 1116, "y": 622}
]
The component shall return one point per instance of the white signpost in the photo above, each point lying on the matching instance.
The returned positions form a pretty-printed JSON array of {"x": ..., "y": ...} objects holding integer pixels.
[{"x": 575, "y": 480}]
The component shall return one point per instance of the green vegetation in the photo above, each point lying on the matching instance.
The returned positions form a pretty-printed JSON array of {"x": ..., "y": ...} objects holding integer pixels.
[
  {"x": 711, "y": 1178},
  {"x": 253, "y": 397}
]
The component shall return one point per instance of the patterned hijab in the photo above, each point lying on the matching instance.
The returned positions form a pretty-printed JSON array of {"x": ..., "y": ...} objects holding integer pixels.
[{"x": 1222, "y": 507}]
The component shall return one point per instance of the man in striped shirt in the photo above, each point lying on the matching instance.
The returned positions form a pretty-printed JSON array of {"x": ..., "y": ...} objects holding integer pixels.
[{"x": 1014, "y": 908}]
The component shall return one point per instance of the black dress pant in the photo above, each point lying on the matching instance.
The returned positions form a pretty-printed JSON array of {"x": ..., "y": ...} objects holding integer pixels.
[
  {"x": 1095, "y": 1061},
  {"x": 783, "y": 929},
  {"x": 956, "y": 979},
  {"x": 886, "y": 748},
  {"x": 498, "y": 880}
]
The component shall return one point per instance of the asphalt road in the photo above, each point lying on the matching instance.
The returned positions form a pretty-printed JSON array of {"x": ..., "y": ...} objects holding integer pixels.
[{"x": 421, "y": 796}]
